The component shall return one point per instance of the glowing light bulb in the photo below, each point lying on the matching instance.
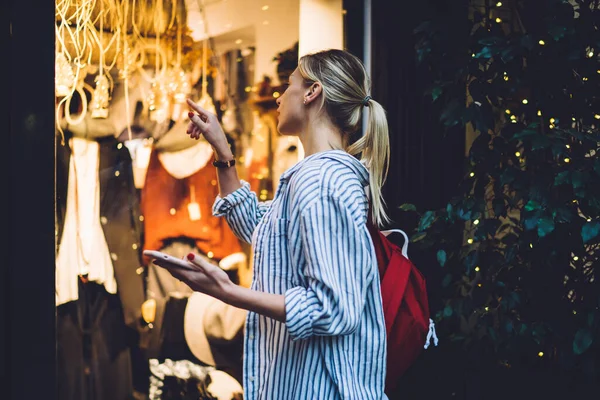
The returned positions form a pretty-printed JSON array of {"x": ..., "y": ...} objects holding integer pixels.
[
  {"x": 507, "y": 111},
  {"x": 470, "y": 241},
  {"x": 541, "y": 354},
  {"x": 542, "y": 43},
  {"x": 476, "y": 269},
  {"x": 498, "y": 20},
  {"x": 518, "y": 154},
  {"x": 575, "y": 258},
  {"x": 179, "y": 85},
  {"x": 158, "y": 101},
  {"x": 525, "y": 101},
  {"x": 476, "y": 222},
  {"x": 567, "y": 160},
  {"x": 552, "y": 120},
  {"x": 499, "y": 4},
  {"x": 539, "y": 113},
  {"x": 597, "y": 116},
  {"x": 472, "y": 174}
]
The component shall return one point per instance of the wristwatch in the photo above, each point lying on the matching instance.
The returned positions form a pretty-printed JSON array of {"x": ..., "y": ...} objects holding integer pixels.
[{"x": 223, "y": 164}]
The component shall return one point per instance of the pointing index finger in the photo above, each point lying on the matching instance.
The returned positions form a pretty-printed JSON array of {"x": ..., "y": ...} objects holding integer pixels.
[{"x": 198, "y": 109}]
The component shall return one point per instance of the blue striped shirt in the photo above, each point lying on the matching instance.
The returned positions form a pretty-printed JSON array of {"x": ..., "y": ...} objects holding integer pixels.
[{"x": 312, "y": 245}]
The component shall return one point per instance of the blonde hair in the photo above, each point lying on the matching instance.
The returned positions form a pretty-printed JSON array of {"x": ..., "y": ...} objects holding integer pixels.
[{"x": 346, "y": 90}]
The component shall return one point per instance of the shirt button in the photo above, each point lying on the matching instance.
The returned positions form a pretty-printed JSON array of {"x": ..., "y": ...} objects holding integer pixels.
[
  {"x": 251, "y": 379},
  {"x": 251, "y": 337},
  {"x": 257, "y": 254}
]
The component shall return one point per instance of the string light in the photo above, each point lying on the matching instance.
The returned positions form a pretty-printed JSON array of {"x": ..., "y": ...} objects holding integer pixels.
[
  {"x": 476, "y": 222},
  {"x": 590, "y": 54},
  {"x": 470, "y": 241},
  {"x": 487, "y": 309},
  {"x": 499, "y": 4},
  {"x": 518, "y": 154},
  {"x": 476, "y": 269},
  {"x": 541, "y": 354},
  {"x": 552, "y": 120},
  {"x": 589, "y": 220},
  {"x": 525, "y": 101},
  {"x": 597, "y": 116},
  {"x": 575, "y": 258},
  {"x": 567, "y": 160},
  {"x": 568, "y": 146},
  {"x": 539, "y": 113},
  {"x": 472, "y": 174},
  {"x": 542, "y": 43},
  {"x": 498, "y": 20},
  {"x": 531, "y": 245},
  {"x": 507, "y": 111}
]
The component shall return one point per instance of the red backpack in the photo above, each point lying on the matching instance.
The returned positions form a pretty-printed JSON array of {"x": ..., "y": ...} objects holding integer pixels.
[{"x": 405, "y": 305}]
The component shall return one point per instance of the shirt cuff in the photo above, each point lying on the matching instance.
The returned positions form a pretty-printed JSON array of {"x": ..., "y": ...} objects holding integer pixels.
[
  {"x": 222, "y": 206},
  {"x": 298, "y": 318}
]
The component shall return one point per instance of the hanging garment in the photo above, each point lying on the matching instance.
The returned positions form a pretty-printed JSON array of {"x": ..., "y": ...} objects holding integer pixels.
[
  {"x": 177, "y": 202},
  {"x": 118, "y": 216},
  {"x": 93, "y": 358},
  {"x": 83, "y": 249}
]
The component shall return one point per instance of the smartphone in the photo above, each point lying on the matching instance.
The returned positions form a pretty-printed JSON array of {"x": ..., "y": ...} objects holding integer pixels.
[{"x": 157, "y": 255}]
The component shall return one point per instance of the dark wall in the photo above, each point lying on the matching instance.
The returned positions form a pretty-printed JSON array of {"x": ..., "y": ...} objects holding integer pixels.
[{"x": 27, "y": 281}]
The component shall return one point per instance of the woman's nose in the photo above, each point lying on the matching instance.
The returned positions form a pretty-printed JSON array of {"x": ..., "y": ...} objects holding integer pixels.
[{"x": 278, "y": 101}]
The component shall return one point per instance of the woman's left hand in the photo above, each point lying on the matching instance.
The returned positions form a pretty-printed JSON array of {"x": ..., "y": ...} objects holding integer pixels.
[{"x": 203, "y": 276}]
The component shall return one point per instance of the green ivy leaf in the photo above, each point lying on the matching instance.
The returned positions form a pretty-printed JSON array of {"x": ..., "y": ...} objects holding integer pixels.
[
  {"x": 590, "y": 230},
  {"x": 448, "y": 311},
  {"x": 540, "y": 142},
  {"x": 582, "y": 341},
  {"x": 532, "y": 205},
  {"x": 408, "y": 207},
  {"x": 441, "y": 257},
  {"x": 436, "y": 92},
  {"x": 545, "y": 226},
  {"x": 426, "y": 220},
  {"x": 561, "y": 178}
]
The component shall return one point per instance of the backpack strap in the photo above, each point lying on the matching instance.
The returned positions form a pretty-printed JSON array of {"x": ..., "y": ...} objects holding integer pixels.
[
  {"x": 405, "y": 245},
  {"x": 393, "y": 286}
]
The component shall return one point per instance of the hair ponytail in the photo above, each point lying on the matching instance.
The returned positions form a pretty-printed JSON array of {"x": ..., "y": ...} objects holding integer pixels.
[
  {"x": 374, "y": 147},
  {"x": 345, "y": 93}
]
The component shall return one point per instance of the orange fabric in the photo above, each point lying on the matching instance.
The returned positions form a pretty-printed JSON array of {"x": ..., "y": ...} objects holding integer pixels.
[{"x": 164, "y": 204}]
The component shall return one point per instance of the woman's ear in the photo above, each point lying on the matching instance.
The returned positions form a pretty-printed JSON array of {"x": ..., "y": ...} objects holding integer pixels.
[{"x": 313, "y": 92}]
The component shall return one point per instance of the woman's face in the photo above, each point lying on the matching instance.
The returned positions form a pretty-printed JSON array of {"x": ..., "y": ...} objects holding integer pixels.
[{"x": 291, "y": 108}]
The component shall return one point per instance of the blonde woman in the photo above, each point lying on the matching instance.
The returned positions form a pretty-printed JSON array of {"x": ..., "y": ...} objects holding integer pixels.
[{"x": 315, "y": 327}]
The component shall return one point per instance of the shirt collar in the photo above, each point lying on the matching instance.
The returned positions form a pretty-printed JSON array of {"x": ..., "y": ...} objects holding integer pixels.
[{"x": 339, "y": 155}]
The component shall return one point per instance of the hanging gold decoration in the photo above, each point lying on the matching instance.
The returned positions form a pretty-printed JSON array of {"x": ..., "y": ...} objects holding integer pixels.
[{"x": 100, "y": 98}]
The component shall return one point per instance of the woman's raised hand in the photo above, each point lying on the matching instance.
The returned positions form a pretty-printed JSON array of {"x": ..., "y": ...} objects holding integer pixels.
[{"x": 206, "y": 124}]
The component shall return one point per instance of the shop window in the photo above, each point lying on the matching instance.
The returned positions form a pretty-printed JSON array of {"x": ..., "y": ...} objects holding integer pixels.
[{"x": 129, "y": 178}]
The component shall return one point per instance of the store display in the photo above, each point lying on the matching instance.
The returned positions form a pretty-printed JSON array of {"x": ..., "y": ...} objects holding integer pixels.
[{"x": 130, "y": 179}]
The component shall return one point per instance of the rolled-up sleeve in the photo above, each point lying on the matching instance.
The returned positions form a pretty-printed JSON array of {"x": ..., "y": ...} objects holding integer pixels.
[
  {"x": 337, "y": 273},
  {"x": 241, "y": 210}
]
